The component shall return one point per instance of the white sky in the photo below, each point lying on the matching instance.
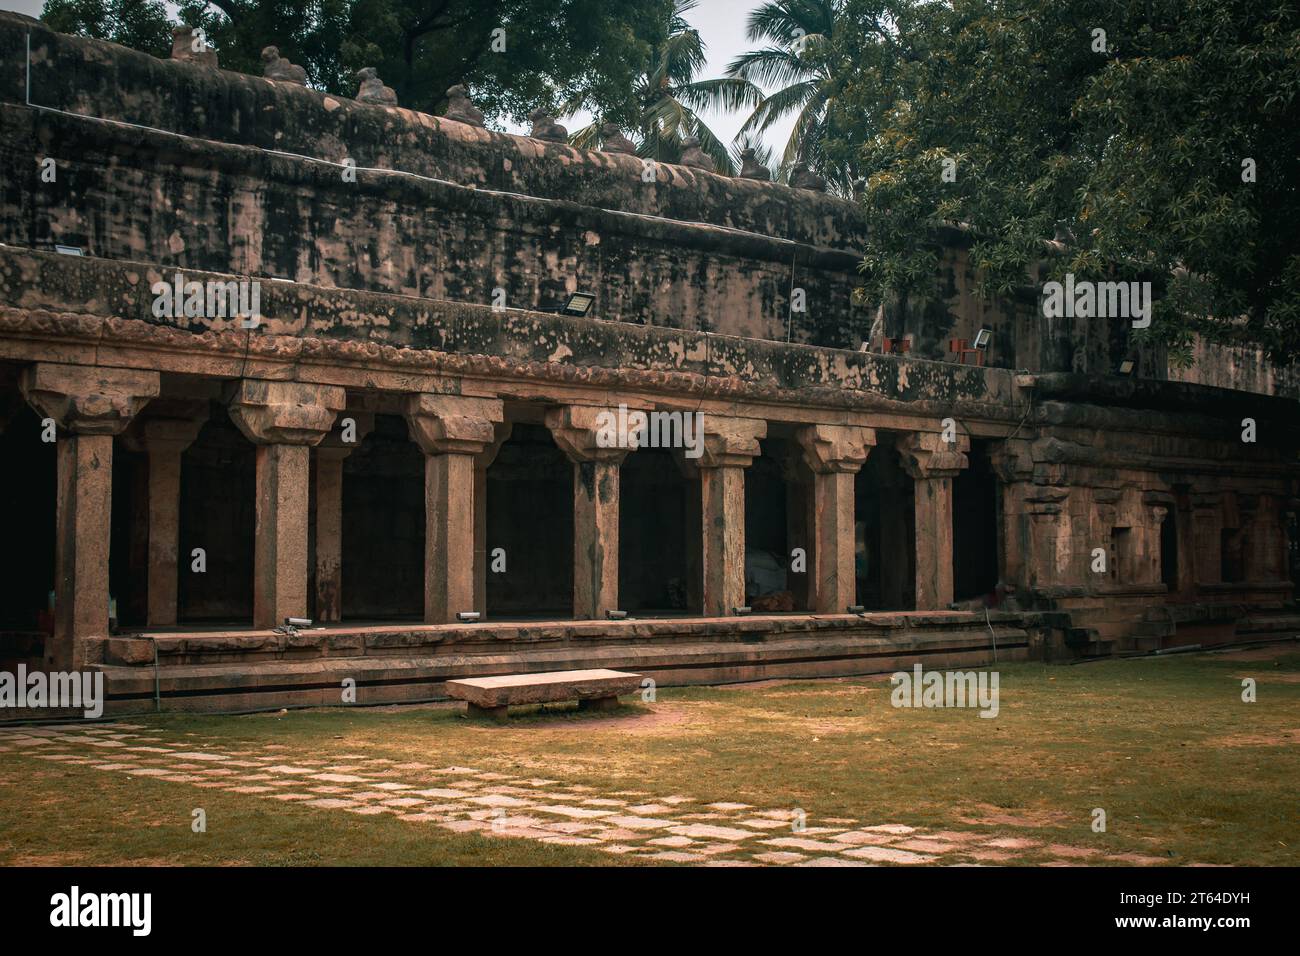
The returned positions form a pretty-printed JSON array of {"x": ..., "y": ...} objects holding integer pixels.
[{"x": 722, "y": 28}]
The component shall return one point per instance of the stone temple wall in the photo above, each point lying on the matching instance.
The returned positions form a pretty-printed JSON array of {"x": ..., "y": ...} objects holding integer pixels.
[{"x": 204, "y": 169}]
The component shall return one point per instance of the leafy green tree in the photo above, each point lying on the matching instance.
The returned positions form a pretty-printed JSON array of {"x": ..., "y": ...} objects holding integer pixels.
[
  {"x": 514, "y": 55},
  {"x": 1158, "y": 138},
  {"x": 665, "y": 99},
  {"x": 800, "y": 61}
]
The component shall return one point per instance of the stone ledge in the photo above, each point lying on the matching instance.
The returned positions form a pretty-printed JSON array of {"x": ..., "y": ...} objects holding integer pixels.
[
  {"x": 273, "y": 684},
  {"x": 386, "y": 643}
]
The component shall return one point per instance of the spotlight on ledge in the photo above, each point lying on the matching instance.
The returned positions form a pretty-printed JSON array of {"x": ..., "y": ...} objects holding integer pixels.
[
  {"x": 1127, "y": 366},
  {"x": 467, "y": 617},
  {"x": 578, "y": 304},
  {"x": 982, "y": 338},
  {"x": 855, "y": 609},
  {"x": 69, "y": 250},
  {"x": 746, "y": 609},
  {"x": 297, "y": 621},
  {"x": 615, "y": 615}
]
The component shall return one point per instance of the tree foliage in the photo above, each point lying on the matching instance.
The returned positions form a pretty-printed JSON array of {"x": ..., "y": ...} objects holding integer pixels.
[
  {"x": 1137, "y": 147},
  {"x": 801, "y": 61},
  {"x": 554, "y": 50},
  {"x": 666, "y": 99}
]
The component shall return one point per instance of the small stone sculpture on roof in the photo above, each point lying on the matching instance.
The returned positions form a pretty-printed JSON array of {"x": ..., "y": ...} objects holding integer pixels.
[
  {"x": 372, "y": 88},
  {"x": 614, "y": 141},
  {"x": 189, "y": 46},
  {"x": 801, "y": 177},
  {"x": 460, "y": 109},
  {"x": 276, "y": 67},
  {"x": 545, "y": 127},
  {"x": 694, "y": 157},
  {"x": 751, "y": 168}
]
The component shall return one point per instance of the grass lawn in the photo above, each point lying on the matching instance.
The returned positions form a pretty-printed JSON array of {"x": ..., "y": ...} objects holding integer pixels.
[{"x": 1185, "y": 770}]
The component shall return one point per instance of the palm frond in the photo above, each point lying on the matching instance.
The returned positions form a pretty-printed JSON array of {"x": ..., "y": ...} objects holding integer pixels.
[{"x": 727, "y": 93}]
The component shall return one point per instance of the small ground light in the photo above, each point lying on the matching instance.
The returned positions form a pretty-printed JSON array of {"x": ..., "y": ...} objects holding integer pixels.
[
  {"x": 578, "y": 303},
  {"x": 467, "y": 617},
  {"x": 742, "y": 610},
  {"x": 982, "y": 338},
  {"x": 297, "y": 621},
  {"x": 1126, "y": 367},
  {"x": 69, "y": 250},
  {"x": 615, "y": 615},
  {"x": 855, "y": 609}
]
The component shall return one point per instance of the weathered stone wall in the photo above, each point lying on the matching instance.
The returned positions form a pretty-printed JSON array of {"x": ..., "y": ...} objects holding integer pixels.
[
  {"x": 204, "y": 169},
  {"x": 479, "y": 211}
]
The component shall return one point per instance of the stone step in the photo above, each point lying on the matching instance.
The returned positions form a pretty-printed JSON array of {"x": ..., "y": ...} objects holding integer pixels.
[{"x": 272, "y": 684}]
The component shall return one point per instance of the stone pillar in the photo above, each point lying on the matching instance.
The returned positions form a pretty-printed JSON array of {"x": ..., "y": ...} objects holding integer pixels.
[
  {"x": 595, "y": 508},
  {"x": 482, "y": 462},
  {"x": 1014, "y": 470},
  {"x": 90, "y": 405},
  {"x": 329, "y": 511},
  {"x": 730, "y": 444},
  {"x": 933, "y": 463},
  {"x": 284, "y": 420},
  {"x": 1266, "y": 561},
  {"x": 834, "y": 454},
  {"x": 450, "y": 430},
  {"x": 164, "y": 437}
]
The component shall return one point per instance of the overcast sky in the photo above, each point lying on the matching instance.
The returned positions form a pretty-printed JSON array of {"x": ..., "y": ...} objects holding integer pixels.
[{"x": 722, "y": 28}]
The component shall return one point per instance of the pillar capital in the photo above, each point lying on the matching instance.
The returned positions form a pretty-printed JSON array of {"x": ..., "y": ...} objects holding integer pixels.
[
  {"x": 927, "y": 455},
  {"x": 333, "y": 447},
  {"x": 88, "y": 400},
  {"x": 170, "y": 426},
  {"x": 1011, "y": 460},
  {"x": 452, "y": 424},
  {"x": 731, "y": 442},
  {"x": 578, "y": 430},
  {"x": 835, "y": 448},
  {"x": 500, "y": 435},
  {"x": 286, "y": 413}
]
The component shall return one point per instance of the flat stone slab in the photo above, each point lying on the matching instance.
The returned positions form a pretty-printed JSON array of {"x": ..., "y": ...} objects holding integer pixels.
[{"x": 543, "y": 688}]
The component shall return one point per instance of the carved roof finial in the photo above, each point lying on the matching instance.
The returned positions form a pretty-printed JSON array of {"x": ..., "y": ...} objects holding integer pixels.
[
  {"x": 751, "y": 168},
  {"x": 614, "y": 141},
  {"x": 801, "y": 177},
  {"x": 694, "y": 157},
  {"x": 460, "y": 109},
  {"x": 545, "y": 127},
  {"x": 276, "y": 67},
  {"x": 372, "y": 89},
  {"x": 190, "y": 46}
]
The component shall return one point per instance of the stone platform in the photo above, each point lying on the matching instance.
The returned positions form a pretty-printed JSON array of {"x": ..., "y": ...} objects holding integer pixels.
[{"x": 248, "y": 670}]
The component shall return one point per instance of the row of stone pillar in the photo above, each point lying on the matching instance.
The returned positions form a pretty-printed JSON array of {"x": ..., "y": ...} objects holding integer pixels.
[{"x": 459, "y": 435}]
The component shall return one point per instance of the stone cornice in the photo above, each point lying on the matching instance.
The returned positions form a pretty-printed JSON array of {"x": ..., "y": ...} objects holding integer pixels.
[{"x": 36, "y": 334}]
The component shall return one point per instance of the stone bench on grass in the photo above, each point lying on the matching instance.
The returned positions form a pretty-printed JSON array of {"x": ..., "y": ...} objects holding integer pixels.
[{"x": 592, "y": 689}]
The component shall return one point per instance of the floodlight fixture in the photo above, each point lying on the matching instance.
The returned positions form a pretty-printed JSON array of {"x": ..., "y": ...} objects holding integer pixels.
[
  {"x": 69, "y": 250},
  {"x": 578, "y": 304}
]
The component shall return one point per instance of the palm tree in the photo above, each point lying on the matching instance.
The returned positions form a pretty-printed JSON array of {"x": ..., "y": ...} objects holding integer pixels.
[
  {"x": 797, "y": 61},
  {"x": 667, "y": 96}
]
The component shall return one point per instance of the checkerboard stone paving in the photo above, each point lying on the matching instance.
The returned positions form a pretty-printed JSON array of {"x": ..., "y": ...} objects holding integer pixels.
[{"x": 672, "y": 828}]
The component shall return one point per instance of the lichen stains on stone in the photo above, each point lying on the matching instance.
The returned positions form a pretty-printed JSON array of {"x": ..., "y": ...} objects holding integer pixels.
[{"x": 560, "y": 353}]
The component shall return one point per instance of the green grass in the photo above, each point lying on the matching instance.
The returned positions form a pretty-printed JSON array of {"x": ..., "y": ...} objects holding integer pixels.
[{"x": 1184, "y": 769}]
